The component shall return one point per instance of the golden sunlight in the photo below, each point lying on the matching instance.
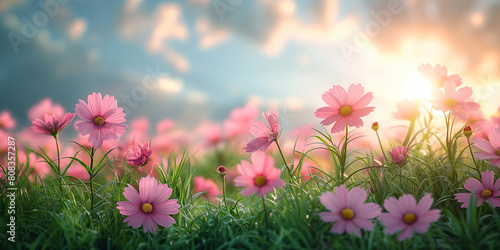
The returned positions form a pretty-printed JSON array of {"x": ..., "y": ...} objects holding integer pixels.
[{"x": 416, "y": 87}]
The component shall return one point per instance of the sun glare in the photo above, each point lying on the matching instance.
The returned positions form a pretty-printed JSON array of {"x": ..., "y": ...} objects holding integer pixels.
[{"x": 416, "y": 87}]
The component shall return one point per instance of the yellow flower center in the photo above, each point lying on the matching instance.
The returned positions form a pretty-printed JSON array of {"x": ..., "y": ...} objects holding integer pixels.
[
  {"x": 98, "y": 120},
  {"x": 147, "y": 208},
  {"x": 409, "y": 218},
  {"x": 486, "y": 193},
  {"x": 345, "y": 110},
  {"x": 347, "y": 213},
  {"x": 260, "y": 180},
  {"x": 498, "y": 152},
  {"x": 450, "y": 102}
]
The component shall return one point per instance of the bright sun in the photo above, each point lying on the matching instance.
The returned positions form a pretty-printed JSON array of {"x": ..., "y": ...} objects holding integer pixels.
[{"x": 417, "y": 87}]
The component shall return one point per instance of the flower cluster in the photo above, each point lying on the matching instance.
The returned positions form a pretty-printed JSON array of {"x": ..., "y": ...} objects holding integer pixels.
[
  {"x": 278, "y": 165},
  {"x": 350, "y": 212}
]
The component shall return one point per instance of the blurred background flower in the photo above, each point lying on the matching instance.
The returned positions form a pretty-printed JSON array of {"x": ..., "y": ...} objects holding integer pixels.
[{"x": 195, "y": 61}]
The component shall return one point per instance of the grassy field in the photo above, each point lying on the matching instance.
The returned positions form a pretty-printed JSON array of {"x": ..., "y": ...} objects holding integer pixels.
[
  {"x": 70, "y": 202},
  {"x": 54, "y": 213}
]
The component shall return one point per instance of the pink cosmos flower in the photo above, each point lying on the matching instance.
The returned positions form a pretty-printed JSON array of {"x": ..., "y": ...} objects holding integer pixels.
[
  {"x": 51, "y": 125},
  {"x": 437, "y": 75},
  {"x": 405, "y": 214},
  {"x": 139, "y": 129},
  {"x": 232, "y": 129},
  {"x": 398, "y": 155},
  {"x": 35, "y": 140},
  {"x": 491, "y": 147},
  {"x": 345, "y": 108},
  {"x": 260, "y": 177},
  {"x": 496, "y": 119},
  {"x": 405, "y": 110},
  {"x": 163, "y": 144},
  {"x": 150, "y": 207},
  {"x": 206, "y": 185},
  {"x": 214, "y": 135},
  {"x": 6, "y": 121},
  {"x": 78, "y": 171},
  {"x": 485, "y": 190},
  {"x": 298, "y": 139},
  {"x": 458, "y": 102},
  {"x": 166, "y": 143},
  {"x": 139, "y": 155},
  {"x": 84, "y": 141},
  {"x": 102, "y": 119},
  {"x": 246, "y": 114},
  {"x": 210, "y": 134},
  {"x": 164, "y": 126},
  {"x": 478, "y": 121},
  {"x": 45, "y": 106},
  {"x": 348, "y": 210},
  {"x": 239, "y": 121},
  {"x": 264, "y": 135},
  {"x": 140, "y": 125},
  {"x": 39, "y": 167},
  {"x": 4, "y": 146}
]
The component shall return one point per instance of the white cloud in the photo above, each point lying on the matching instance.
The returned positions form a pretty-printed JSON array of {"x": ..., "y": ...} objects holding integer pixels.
[
  {"x": 170, "y": 85},
  {"x": 168, "y": 25},
  {"x": 428, "y": 32},
  {"x": 272, "y": 23},
  {"x": 160, "y": 28}
]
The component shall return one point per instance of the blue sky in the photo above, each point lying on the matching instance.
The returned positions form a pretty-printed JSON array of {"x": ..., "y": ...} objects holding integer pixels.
[{"x": 277, "y": 54}]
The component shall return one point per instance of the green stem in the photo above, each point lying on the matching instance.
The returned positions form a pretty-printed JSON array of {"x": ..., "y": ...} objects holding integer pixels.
[
  {"x": 284, "y": 160},
  {"x": 447, "y": 121},
  {"x": 428, "y": 126},
  {"x": 412, "y": 125},
  {"x": 58, "y": 155},
  {"x": 449, "y": 146},
  {"x": 381, "y": 147},
  {"x": 448, "y": 139},
  {"x": 91, "y": 181},
  {"x": 343, "y": 154},
  {"x": 265, "y": 216},
  {"x": 473, "y": 158},
  {"x": 58, "y": 162},
  {"x": 400, "y": 175},
  {"x": 224, "y": 193}
]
